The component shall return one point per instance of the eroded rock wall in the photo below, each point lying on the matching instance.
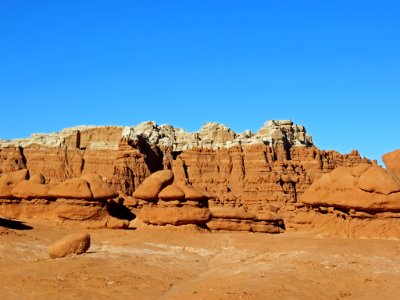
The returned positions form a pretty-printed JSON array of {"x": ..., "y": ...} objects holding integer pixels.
[{"x": 273, "y": 166}]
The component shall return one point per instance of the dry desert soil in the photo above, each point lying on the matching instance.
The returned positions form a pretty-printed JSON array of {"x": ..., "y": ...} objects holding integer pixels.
[{"x": 129, "y": 264}]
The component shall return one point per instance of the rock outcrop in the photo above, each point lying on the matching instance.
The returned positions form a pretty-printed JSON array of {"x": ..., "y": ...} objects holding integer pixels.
[
  {"x": 364, "y": 188},
  {"x": 211, "y": 135},
  {"x": 392, "y": 162},
  {"x": 237, "y": 219},
  {"x": 273, "y": 166},
  {"x": 166, "y": 203},
  {"x": 367, "y": 197},
  {"x": 75, "y": 200}
]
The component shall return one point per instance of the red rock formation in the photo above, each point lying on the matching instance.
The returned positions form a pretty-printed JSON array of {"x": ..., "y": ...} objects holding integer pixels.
[
  {"x": 259, "y": 174},
  {"x": 367, "y": 197},
  {"x": 73, "y": 244},
  {"x": 237, "y": 219},
  {"x": 364, "y": 188},
  {"x": 152, "y": 185},
  {"x": 161, "y": 207},
  {"x": 74, "y": 200},
  {"x": 271, "y": 167},
  {"x": 11, "y": 159},
  {"x": 392, "y": 162}
]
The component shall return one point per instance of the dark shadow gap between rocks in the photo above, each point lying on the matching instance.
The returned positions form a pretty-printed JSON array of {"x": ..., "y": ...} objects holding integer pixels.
[{"x": 14, "y": 224}]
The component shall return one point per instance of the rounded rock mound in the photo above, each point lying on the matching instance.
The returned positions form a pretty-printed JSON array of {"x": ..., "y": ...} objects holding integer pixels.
[
  {"x": 77, "y": 188},
  {"x": 152, "y": 185},
  {"x": 72, "y": 244}
]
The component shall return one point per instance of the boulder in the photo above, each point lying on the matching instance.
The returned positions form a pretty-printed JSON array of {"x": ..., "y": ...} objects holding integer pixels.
[
  {"x": 191, "y": 193},
  {"x": 378, "y": 180},
  {"x": 392, "y": 162},
  {"x": 37, "y": 178},
  {"x": 28, "y": 189},
  {"x": 76, "y": 188},
  {"x": 99, "y": 189},
  {"x": 165, "y": 176},
  {"x": 149, "y": 189},
  {"x": 72, "y": 244},
  {"x": 136, "y": 224},
  {"x": 130, "y": 201},
  {"x": 152, "y": 185},
  {"x": 9, "y": 180},
  {"x": 115, "y": 223},
  {"x": 366, "y": 188},
  {"x": 171, "y": 192}
]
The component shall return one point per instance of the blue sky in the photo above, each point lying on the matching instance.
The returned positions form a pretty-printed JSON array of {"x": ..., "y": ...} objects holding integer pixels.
[{"x": 333, "y": 66}]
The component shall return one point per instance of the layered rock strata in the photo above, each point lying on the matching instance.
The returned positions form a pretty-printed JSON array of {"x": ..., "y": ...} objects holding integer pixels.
[
  {"x": 238, "y": 219},
  {"x": 360, "y": 201},
  {"x": 75, "y": 200},
  {"x": 273, "y": 166},
  {"x": 166, "y": 203}
]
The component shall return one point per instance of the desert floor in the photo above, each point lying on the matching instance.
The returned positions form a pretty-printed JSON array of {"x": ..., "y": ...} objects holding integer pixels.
[{"x": 129, "y": 264}]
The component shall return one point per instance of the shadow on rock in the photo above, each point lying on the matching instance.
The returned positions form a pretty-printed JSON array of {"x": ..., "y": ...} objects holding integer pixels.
[
  {"x": 120, "y": 211},
  {"x": 13, "y": 224}
]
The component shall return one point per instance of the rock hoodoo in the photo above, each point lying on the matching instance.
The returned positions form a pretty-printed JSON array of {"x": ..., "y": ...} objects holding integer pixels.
[
  {"x": 166, "y": 203},
  {"x": 75, "y": 200}
]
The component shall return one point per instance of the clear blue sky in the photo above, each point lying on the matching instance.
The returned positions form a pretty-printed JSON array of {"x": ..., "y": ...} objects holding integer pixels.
[{"x": 333, "y": 66}]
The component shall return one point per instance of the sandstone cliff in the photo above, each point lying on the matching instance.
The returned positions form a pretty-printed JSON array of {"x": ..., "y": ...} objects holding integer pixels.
[{"x": 270, "y": 168}]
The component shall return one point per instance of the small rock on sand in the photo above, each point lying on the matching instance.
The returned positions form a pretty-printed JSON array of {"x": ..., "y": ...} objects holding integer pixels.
[{"x": 70, "y": 245}]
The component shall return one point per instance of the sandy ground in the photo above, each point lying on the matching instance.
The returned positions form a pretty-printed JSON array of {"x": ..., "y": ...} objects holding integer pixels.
[{"x": 128, "y": 264}]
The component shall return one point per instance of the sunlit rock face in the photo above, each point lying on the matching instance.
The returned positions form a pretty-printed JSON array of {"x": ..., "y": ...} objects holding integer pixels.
[{"x": 270, "y": 167}]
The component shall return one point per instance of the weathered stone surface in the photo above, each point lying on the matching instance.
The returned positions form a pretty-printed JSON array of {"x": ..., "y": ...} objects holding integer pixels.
[
  {"x": 136, "y": 223},
  {"x": 77, "y": 188},
  {"x": 266, "y": 215},
  {"x": 378, "y": 180},
  {"x": 360, "y": 188},
  {"x": 277, "y": 163},
  {"x": 231, "y": 213},
  {"x": 270, "y": 168},
  {"x": 72, "y": 244},
  {"x": 247, "y": 176},
  {"x": 229, "y": 225},
  {"x": 174, "y": 215},
  {"x": 152, "y": 185},
  {"x": 115, "y": 223},
  {"x": 149, "y": 189},
  {"x": 10, "y": 180},
  {"x": 37, "y": 178},
  {"x": 165, "y": 176},
  {"x": 171, "y": 192},
  {"x": 238, "y": 219},
  {"x": 30, "y": 190},
  {"x": 11, "y": 159},
  {"x": 392, "y": 162},
  {"x": 78, "y": 211},
  {"x": 191, "y": 193},
  {"x": 99, "y": 189}
]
